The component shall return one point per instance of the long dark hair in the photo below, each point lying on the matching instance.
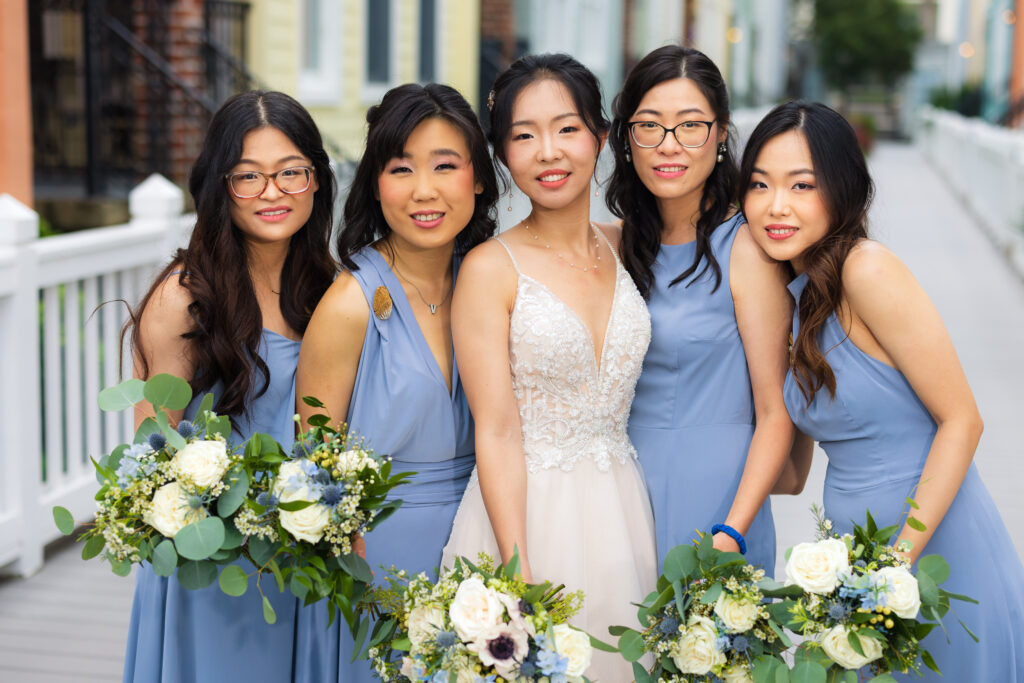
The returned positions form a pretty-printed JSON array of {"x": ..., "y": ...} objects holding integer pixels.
[
  {"x": 629, "y": 199},
  {"x": 390, "y": 124},
  {"x": 213, "y": 268},
  {"x": 842, "y": 175},
  {"x": 578, "y": 80}
]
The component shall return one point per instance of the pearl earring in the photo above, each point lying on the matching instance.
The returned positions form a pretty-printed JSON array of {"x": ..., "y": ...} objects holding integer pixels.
[
  {"x": 510, "y": 199},
  {"x": 721, "y": 152}
]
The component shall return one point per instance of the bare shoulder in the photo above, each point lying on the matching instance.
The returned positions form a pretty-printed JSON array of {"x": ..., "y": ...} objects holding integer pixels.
[
  {"x": 613, "y": 231},
  {"x": 745, "y": 250},
  {"x": 167, "y": 308},
  {"x": 486, "y": 261},
  {"x": 344, "y": 300},
  {"x": 871, "y": 266}
]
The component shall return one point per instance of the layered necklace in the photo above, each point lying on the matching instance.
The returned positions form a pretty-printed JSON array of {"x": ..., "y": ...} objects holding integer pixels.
[{"x": 571, "y": 264}]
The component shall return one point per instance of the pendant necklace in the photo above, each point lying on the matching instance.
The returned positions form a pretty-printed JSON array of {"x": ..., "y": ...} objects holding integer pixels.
[{"x": 433, "y": 307}]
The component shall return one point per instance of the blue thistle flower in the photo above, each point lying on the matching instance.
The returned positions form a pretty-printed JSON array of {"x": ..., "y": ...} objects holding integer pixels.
[
  {"x": 299, "y": 450},
  {"x": 332, "y": 495},
  {"x": 321, "y": 477},
  {"x": 186, "y": 429},
  {"x": 837, "y": 611},
  {"x": 525, "y": 608},
  {"x": 445, "y": 639},
  {"x": 157, "y": 441},
  {"x": 195, "y": 502},
  {"x": 267, "y": 500},
  {"x": 528, "y": 668},
  {"x": 740, "y": 643},
  {"x": 668, "y": 626}
]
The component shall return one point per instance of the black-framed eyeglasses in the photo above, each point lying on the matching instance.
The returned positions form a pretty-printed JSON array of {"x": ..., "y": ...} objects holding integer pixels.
[
  {"x": 249, "y": 184},
  {"x": 688, "y": 133}
]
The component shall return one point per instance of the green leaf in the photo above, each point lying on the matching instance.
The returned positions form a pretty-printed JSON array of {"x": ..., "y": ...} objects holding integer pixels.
[
  {"x": 170, "y": 433},
  {"x": 233, "y": 580},
  {"x": 121, "y": 568},
  {"x": 917, "y": 525},
  {"x": 205, "y": 406},
  {"x": 232, "y": 499},
  {"x": 680, "y": 563},
  {"x": 199, "y": 540},
  {"x": 261, "y": 550},
  {"x": 219, "y": 425},
  {"x": 807, "y": 672},
  {"x": 318, "y": 420},
  {"x": 146, "y": 427},
  {"x": 300, "y": 586},
  {"x": 356, "y": 567},
  {"x": 618, "y": 630},
  {"x": 706, "y": 552},
  {"x": 383, "y": 513},
  {"x": 64, "y": 521},
  {"x": 631, "y": 645},
  {"x": 882, "y": 678},
  {"x": 929, "y": 661},
  {"x": 167, "y": 391},
  {"x": 854, "y": 640},
  {"x": 640, "y": 674},
  {"x": 194, "y": 575},
  {"x": 913, "y": 503},
  {"x": 121, "y": 396},
  {"x": 165, "y": 558},
  {"x": 93, "y": 547},
  {"x": 599, "y": 644},
  {"x": 278, "y": 576},
  {"x": 929, "y": 591},
  {"x": 711, "y": 594},
  {"x": 934, "y": 566},
  {"x": 360, "y": 636},
  {"x": 232, "y": 537},
  {"x": 269, "y": 615},
  {"x": 312, "y": 402},
  {"x": 294, "y": 505}
]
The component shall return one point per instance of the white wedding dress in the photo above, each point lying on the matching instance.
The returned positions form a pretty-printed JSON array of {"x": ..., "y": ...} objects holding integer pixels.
[{"x": 589, "y": 521}]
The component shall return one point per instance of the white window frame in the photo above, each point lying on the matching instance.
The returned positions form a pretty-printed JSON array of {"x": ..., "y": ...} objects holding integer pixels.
[{"x": 323, "y": 85}]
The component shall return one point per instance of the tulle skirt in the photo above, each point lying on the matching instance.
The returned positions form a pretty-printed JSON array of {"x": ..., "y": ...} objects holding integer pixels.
[{"x": 592, "y": 531}]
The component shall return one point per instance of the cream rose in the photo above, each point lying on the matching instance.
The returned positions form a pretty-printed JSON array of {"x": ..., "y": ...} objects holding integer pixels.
[
  {"x": 169, "y": 510},
  {"x": 475, "y": 609},
  {"x": 289, "y": 470},
  {"x": 695, "y": 651},
  {"x": 576, "y": 646},
  {"x": 424, "y": 624},
  {"x": 904, "y": 596},
  {"x": 204, "y": 462},
  {"x": 815, "y": 567},
  {"x": 737, "y": 614},
  {"x": 836, "y": 646},
  {"x": 308, "y": 523},
  {"x": 736, "y": 674}
]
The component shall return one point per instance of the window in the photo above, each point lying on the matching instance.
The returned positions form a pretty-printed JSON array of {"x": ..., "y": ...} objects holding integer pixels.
[
  {"x": 378, "y": 41},
  {"x": 428, "y": 41},
  {"x": 320, "y": 51}
]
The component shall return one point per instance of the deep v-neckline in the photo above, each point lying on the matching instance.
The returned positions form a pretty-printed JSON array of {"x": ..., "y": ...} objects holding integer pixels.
[
  {"x": 402, "y": 301},
  {"x": 597, "y": 358}
]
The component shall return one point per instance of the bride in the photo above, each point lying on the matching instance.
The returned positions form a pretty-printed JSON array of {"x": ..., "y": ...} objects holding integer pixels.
[{"x": 551, "y": 333}]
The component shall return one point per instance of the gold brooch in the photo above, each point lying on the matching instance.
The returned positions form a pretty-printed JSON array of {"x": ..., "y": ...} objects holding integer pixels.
[
  {"x": 382, "y": 305},
  {"x": 490, "y": 100}
]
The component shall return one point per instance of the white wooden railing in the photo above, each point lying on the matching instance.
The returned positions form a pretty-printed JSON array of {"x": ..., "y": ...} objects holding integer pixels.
[
  {"x": 983, "y": 165},
  {"x": 58, "y": 347}
]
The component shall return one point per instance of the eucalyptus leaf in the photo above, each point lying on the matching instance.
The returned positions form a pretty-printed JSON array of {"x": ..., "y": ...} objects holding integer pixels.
[
  {"x": 205, "y": 406},
  {"x": 120, "y": 567},
  {"x": 199, "y": 540},
  {"x": 193, "y": 575},
  {"x": 173, "y": 437},
  {"x": 269, "y": 615},
  {"x": 929, "y": 591},
  {"x": 233, "y": 580},
  {"x": 934, "y": 566},
  {"x": 640, "y": 674},
  {"x": 146, "y": 427},
  {"x": 165, "y": 558},
  {"x": 232, "y": 537},
  {"x": 64, "y": 521},
  {"x": 260, "y": 550},
  {"x": 93, "y": 547},
  {"x": 882, "y": 678},
  {"x": 121, "y": 396},
  {"x": 219, "y": 425},
  {"x": 167, "y": 391},
  {"x": 680, "y": 563},
  {"x": 599, "y": 644},
  {"x": 631, "y": 645},
  {"x": 807, "y": 672},
  {"x": 712, "y": 593},
  {"x": 356, "y": 567},
  {"x": 232, "y": 499}
]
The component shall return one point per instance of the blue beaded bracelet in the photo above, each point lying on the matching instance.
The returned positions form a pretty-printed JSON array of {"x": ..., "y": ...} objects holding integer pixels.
[{"x": 729, "y": 531}]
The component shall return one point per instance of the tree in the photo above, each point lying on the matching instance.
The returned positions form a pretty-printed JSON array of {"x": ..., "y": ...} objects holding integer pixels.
[{"x": 864, "y": 42}]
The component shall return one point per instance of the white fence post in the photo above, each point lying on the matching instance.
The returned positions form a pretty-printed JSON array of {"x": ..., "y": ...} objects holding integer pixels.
[{"x": 20, "y": 537}]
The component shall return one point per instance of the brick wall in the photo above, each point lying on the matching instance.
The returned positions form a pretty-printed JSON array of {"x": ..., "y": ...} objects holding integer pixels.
[{"x": 498, "y": 23}]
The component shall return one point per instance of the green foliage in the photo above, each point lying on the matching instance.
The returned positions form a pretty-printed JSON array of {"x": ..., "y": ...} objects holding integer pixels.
[
  {"x": 233, "y": 580},
  {"x": 866, "y": 41},
  {"x": 199, "y": 540},
  {"x": 122, "y": 396},
  {"x": 167, "y": 391},
  {"x": 64, "y": 521}
]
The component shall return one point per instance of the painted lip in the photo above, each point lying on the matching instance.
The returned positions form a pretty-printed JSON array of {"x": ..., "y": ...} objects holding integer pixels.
[
  {"x": 780, "y": 231},
  {"x": 274, "y": 214},
  {"x": 670, "y": 170},
  {"x": 427, "y": 219},
  {"x": 556, "y": 178}
]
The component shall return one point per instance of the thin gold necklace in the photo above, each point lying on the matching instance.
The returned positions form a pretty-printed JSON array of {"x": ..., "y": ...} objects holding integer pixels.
[
  {"x": 433, "y": 307},
  {"x": 597, "y": 248}
]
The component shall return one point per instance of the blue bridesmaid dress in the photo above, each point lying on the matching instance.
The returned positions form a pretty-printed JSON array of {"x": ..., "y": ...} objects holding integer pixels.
[
  {"x": 198, "y": 636},
  {"x": 402, "y": 406},
  {"x": 877, "y": 435},
  {"x": 693, "y": 415}
]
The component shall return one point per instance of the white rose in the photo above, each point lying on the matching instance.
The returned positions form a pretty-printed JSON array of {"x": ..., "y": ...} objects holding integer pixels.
[
  {"x": 836, "y": 646},
  {"x": 424, "y": 624},
  {"x": 737, "y": 614},
  {"x": 475, "y": 609},
  {"x": 289, "y": 470},
  {"x": 204, "y": 462},
  {"x": 903, "y": 596},
  {"x": 815, "y": 567},
  {"x": 169, "y": 510},
  {"x": 308, "y": 523},
  {"x": 576, "y": 646},
  {"x": 736, "y": 674},
  {"x": 695, "y": 651}
]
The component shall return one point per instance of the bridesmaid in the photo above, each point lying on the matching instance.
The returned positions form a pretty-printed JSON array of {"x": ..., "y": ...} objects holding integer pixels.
[
  {"x": 227, "y": 314},
  {"x": 708, "y": 421},
  {"x": 876, "y": 381},
  {"x": 378, "y": 351}
]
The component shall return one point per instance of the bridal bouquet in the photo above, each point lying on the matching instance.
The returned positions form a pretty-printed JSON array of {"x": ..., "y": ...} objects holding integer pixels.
[
  {"x": 304, "y": 514},
  {"x": 859, "y": 603},
  {"x": 171, "y": 497},
  {"x": 708, "y": 620},
  {"x": 478, "y": 623}
]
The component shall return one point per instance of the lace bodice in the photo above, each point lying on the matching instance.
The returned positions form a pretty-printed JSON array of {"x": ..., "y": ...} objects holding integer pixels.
[{"x": 569, "y": 407}]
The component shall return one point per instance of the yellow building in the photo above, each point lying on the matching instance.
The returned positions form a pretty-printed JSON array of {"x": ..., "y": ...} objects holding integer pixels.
[{"x": 338, "y": 57}]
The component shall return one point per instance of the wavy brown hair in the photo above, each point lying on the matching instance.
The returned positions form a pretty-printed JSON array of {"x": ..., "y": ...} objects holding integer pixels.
[
  {"x": 627, "y": 196},
  {"x": 227, "y": 328},
  {"x": 842, "y": 175}
]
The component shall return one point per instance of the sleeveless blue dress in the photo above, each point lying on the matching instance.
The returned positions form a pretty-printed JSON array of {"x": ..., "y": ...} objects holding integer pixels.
[
  {"x": 184, "y": 636},
  {"x": 877, "y": 435},
  {"x": 402, "y": 406},
  {"x": 693, "y": 415}
]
